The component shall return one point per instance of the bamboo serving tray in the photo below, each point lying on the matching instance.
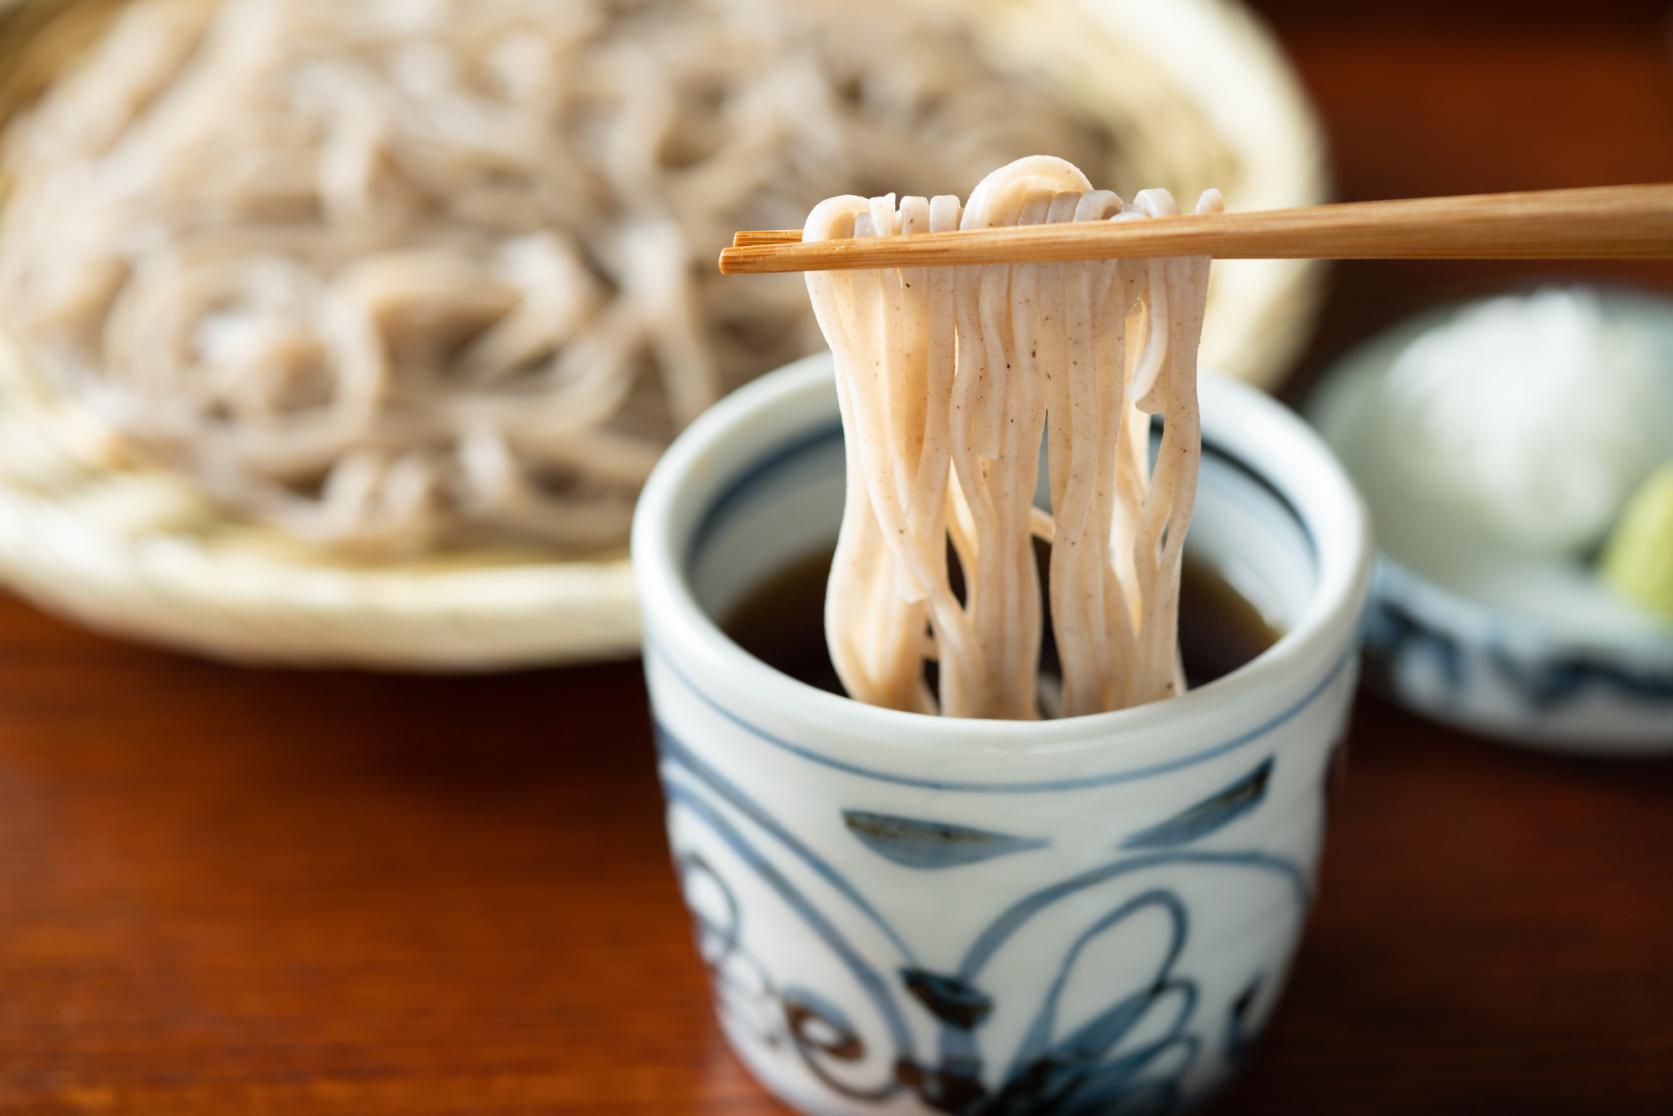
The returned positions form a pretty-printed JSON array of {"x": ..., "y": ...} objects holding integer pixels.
[{"x": 139, "y": 552}]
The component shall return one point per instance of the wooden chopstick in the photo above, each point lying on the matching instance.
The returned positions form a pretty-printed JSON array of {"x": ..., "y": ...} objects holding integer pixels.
[
  {"x": 766, "y": 236},
  {"x": 1599, "y": 222}
]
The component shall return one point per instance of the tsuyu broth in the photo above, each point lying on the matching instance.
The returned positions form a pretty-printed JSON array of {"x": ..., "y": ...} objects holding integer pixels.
[{"x": 782, "y": 622}]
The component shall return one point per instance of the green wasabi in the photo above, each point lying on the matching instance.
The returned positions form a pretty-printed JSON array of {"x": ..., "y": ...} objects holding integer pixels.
[{"x": 1638, "y": 562}]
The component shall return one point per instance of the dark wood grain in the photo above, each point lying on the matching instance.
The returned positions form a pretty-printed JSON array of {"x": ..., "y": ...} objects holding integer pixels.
[{"x": 226, "y": 891}]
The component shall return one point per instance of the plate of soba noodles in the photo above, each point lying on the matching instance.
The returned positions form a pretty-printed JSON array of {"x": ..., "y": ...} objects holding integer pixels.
[{"x": 349, "y": 333}]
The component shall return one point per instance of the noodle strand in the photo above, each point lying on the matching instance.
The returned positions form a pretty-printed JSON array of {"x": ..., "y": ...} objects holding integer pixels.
[{"x": 949, "y": 380}]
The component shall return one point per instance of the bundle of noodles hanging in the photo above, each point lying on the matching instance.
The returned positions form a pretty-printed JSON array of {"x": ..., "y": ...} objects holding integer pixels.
[
  {"x": 948, "y": 380},
  {"x": 394, "y": 275}
]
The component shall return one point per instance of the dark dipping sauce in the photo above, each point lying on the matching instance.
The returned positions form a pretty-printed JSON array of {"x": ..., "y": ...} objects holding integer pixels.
[{"x": 782, "y": 623}]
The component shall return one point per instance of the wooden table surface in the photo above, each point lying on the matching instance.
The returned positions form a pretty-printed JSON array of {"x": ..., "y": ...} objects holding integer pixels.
[{"x": 226, "y": 891}]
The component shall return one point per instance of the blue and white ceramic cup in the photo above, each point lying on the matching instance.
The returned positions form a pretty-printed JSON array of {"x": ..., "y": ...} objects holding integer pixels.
[{"x": 909, "y": 914}]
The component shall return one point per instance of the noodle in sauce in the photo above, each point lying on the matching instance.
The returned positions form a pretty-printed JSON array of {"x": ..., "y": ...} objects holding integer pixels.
[{"x": 948, "y": 380}]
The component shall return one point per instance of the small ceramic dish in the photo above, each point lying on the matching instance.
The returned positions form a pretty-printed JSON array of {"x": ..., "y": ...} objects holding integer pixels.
[
  {"x": 914, "y": 914},
  {"x": 1529, "y": 649}
]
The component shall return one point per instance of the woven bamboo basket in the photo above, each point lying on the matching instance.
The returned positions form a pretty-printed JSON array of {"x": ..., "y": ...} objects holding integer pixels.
[{"x": 1201, "y": 93}]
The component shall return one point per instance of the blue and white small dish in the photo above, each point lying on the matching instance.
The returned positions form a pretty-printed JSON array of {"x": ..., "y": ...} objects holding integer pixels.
[
  {"x": 1528, "y": 647},
  {"x": 910, "y": 915}
]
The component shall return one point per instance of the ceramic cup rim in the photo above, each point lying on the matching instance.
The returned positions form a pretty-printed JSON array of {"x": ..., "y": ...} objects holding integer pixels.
[{"x": 1267, "y": 436}]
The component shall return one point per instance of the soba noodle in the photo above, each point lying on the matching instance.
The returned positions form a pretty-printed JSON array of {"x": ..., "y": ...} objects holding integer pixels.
[
  {"x": 948, "y": 380},
  {"x": 397, "y": 274}
]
